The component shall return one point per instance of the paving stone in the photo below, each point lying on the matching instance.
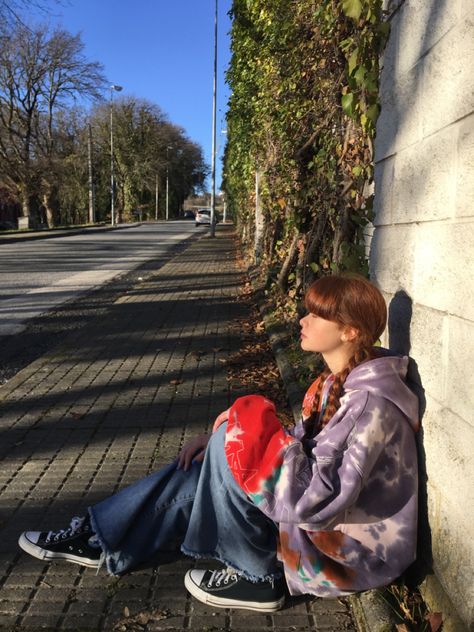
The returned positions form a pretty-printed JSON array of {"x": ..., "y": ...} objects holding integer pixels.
[
  {"x": 85, "y": 622},
  {"x": 40, "y": 621},
  {"x": 249, "y": 620},
  {"x": 7, "y": 622}
]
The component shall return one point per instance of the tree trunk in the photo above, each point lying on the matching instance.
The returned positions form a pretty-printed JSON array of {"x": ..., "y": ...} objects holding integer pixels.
[
  {"x": 299, "y": 272},
  {"x": 49, "y": 207},
  {"x": 119, "y": 204},
  {"x": 25, "y": 198},
  {"x": 259, "y": 221},
  {"x": 287, "y": 264},
  {"x": 344, "y": 234},
  {"x": 313, "y": 246}
]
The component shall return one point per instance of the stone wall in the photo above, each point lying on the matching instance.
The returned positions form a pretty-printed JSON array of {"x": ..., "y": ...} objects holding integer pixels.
[{"x": 422, "y": 258}]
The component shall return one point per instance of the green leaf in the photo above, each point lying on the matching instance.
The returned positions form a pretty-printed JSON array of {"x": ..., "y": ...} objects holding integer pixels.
[
  {"x": 352, "y": 8},
  {"x": 373, "y": 112},
  {"x": 384, "y": 28},
  {"x": 359, "y": 74},
  {"x": 291, "y": 276},
  {"x": 347, "y": 103},
  {"x": 357, "y": 170},
  {"x": 314, "y": 267},
  {"x": 352, "y": 62}
]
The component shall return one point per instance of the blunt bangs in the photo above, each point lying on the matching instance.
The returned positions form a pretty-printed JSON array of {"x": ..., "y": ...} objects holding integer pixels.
[{"x": 323, "y": 298}]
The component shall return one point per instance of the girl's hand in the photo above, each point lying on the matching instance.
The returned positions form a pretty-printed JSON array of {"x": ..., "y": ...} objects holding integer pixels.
[
  {"x": 220, "y": 419},
  {"x": 192, "y": 451}
]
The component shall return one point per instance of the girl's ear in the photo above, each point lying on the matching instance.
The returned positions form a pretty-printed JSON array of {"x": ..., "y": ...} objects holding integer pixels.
[{"x": 349, "y": 334}]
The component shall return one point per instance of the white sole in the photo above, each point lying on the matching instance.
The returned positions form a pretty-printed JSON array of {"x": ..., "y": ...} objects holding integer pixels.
[
  {"x": 256, "y": 606},
  {"x": 42, "y": 554}
]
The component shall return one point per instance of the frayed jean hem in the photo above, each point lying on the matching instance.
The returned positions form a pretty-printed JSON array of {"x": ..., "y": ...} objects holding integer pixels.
[
  {"x": 255, "y": 579},
  {"x": 103, "y": 546}
]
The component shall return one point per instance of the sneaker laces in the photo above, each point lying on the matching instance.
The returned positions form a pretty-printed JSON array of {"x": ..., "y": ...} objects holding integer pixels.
[
  {"x": 222, "y": 576},
  {"x": 74, "y": 527}
]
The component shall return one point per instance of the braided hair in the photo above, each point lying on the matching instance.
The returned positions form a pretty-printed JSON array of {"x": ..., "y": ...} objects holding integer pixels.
[{"x": 349, "y": 300}]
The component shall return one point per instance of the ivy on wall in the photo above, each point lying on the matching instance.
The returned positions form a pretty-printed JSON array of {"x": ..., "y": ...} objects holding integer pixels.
[{"x": 301, "y": 123}]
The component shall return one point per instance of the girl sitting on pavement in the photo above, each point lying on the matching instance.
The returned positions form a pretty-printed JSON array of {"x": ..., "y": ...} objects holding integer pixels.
[{"x": 330, "y": 507}]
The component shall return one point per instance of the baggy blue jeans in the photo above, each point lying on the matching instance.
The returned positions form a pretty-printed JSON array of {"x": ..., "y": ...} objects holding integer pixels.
[{"x": 202, "y": 512}]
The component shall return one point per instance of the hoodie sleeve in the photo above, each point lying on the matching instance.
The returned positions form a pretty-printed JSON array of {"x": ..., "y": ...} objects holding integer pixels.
[{"x": 273, "y": 469}]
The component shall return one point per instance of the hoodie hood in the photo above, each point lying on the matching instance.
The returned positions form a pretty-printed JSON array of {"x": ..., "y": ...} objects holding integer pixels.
[{"x": 385, "y": 377}]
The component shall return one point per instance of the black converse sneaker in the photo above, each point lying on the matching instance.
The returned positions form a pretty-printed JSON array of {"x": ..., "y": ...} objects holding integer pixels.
[
  {"x": 225, "y": 589},
  {"x": 76, "y": 544}
]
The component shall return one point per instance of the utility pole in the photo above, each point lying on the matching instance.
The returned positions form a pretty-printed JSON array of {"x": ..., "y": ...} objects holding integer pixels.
[
  {"x": 214, "y": 103},
  {"x": 156, "y": 196},
  {"x": 167, "y": 193},
  {"x": 91, "y": 177},
  {"x": 168, "y": 147},
  {"x": 113, "y": 88}
]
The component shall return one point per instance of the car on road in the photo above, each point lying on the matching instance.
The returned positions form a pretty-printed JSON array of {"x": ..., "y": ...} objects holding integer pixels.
[
  {"x": 188, "y": 215},
  {"x": 203, "y": 216}
]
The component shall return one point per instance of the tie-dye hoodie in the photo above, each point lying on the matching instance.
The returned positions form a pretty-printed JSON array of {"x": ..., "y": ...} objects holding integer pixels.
[{"x": 347, "y": 515}]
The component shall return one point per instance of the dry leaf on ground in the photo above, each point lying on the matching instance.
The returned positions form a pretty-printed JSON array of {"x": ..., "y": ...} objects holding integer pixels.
[{"x": 435, "y": 619}]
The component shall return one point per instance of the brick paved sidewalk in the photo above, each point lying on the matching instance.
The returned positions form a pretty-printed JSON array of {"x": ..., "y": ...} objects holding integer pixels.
[{"x": 114, "y": 403}]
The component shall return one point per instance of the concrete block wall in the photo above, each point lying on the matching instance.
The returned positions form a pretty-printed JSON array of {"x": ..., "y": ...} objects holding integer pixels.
[{"x": 422, "y": 248}]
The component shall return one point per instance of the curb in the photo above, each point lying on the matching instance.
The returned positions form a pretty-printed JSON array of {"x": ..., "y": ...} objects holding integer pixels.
[{"x": 371, "y": 613}]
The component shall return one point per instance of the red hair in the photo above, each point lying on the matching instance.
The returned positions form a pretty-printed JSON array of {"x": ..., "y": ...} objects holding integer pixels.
[{"x": 349, "y": 300}]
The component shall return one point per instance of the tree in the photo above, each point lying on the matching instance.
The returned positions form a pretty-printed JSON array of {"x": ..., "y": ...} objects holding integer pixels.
[
  {"x": 11, "y": 10},
  {"x": 146, "y": 147},
  {"x": 40, "y": 74}
]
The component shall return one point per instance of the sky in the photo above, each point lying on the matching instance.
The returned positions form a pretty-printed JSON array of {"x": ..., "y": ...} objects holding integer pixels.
[{"x": 158, "y": 50}]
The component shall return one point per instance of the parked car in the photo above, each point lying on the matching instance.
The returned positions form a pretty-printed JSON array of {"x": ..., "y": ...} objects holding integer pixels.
[
  {"x": 188, "y": 215},
  {"x": 6, "y": 225}
]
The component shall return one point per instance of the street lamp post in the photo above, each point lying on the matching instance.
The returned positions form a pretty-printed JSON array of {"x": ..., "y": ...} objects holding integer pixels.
[
  {"x": 214, "y": 103},
  {"x": 167, "y": 182},
  {"x": 91, "y": 175},
  {"x": 113, "y": 88}
]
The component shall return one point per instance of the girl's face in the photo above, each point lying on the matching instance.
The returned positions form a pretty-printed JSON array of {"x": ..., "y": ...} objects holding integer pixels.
[{"x": 320, "y": 335}]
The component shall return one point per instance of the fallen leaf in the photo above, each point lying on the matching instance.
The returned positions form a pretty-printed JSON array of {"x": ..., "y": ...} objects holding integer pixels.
[
  {"x": 198, "y": 354},
  {"x": 435, "y": 619},
  {"x": 176, "y": 382},
  {"x": 126, "y": 612},
  {"x": 401, "y": 627},
  {"x": 44, "y": 583}
]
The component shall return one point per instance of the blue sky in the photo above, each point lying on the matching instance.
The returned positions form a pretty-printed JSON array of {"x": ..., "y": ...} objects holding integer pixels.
[{"x": 159, "y": 50}]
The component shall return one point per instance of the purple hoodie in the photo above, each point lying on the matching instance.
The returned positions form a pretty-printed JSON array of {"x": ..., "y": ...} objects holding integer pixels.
[{"x": 347, "y": 515}]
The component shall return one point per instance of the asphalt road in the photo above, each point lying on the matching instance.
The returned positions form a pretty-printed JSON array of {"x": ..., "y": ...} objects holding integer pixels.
[{"x": 38, "y": 276}]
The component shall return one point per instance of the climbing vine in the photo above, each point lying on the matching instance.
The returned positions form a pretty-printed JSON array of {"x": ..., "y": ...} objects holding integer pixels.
[{"x": 299, "y": 160}]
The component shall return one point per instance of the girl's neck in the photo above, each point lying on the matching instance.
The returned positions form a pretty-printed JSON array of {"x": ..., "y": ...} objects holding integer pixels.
[{"x": 338, "y": 359}]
